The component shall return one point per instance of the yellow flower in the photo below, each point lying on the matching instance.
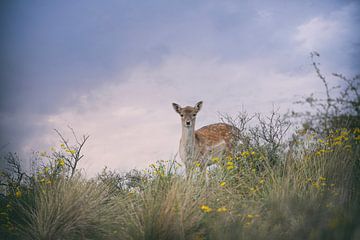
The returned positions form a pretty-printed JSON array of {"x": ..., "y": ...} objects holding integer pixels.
[
  {"x": 63, "y": 146},
  {"x": 250, "y": 216},
  {"x": 316, "y": 185},
  {"x": 321, "y": 151},
  {"x": 262, "y": 181},
  {"x": 18, "y": 194},
  {"x": 230, "y": 167},
  {"x": 215, "y": 159},
  {"x": 222, "y": 184},
  {"x": 61, "y": 162},
  {"x": 322, "y": 179},
  {"x": 245, "y": 154},
  {"x": 160, "y": 173},
  {"x": 205, "y": 208},
  {"x": 197, "y": 164},
  {"x": 222, "y": 209},
  {"x": 70, "y": 151},
  {"x": 253, "y": 153},
  {"x": 229, "y": 158}
]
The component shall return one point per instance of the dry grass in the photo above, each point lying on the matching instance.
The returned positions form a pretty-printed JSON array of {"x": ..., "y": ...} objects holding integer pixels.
[
  {"x": 311, "y": 193},
  {"x": 64, "y": 209}
]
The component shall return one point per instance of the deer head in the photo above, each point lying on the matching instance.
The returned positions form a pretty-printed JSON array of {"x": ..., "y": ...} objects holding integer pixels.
[{"x": 188, "y": 114}]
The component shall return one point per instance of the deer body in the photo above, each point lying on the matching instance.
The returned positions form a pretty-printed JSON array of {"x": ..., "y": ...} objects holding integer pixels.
[{"x": 200, "y": 145}]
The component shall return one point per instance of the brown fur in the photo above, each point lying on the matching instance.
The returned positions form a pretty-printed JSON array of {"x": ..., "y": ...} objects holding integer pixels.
[{"x": 214, "y": 134}]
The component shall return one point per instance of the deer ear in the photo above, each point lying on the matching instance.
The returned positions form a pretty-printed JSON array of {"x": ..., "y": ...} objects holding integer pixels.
[
  {"x": 198, "y": 106},
  {"x": 176, "y": 107}
]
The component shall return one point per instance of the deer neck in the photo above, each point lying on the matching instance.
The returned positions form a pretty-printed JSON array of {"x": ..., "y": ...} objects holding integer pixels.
[{"x": 188, "y": 143}]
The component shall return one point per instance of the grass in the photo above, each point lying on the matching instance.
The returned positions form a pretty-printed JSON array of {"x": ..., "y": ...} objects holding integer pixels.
[
  {"x": 76, "y": 209},
  {"x": 311, "y": 193}
]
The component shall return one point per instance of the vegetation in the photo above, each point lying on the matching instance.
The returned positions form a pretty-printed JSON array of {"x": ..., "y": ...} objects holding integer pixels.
[{"x": 271, "y": 186}]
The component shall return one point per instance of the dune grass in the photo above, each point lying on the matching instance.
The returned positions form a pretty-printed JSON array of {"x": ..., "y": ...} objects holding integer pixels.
[
  {"x": 314, "y": 197},
  {"x": 311, "y": 193},
  {"x": 65, "y": 209}
]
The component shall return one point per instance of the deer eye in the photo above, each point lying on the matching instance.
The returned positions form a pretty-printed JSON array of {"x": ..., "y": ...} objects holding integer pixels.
[
  {"x": 181, "y": 115},
  {"x": 194, "y": 115}
]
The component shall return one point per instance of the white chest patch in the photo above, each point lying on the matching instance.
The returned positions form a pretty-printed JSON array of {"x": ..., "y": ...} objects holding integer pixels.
[{"x": 187, "y": 151}]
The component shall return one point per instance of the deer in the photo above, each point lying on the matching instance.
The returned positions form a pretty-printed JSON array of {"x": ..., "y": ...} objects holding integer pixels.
[{"x": 199, "y": 146}]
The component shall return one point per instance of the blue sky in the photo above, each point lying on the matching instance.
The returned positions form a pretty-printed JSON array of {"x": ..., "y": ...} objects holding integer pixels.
[{"x": 112, "y": 68}]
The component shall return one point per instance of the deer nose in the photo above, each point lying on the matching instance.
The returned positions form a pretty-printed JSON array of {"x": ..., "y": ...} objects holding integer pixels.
[{"x": 188, "y": 123}]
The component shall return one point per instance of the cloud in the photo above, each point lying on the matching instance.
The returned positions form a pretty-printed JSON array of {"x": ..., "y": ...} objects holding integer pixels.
[
  {"x": 332, "y": 32},
  {"x": 317, "y": 33}
]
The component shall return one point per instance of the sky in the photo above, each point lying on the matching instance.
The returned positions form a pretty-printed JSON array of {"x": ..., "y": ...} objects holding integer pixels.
[{"x": 111, "y": 69}]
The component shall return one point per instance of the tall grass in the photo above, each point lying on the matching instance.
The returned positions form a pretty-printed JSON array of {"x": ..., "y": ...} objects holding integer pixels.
[
  {"x": 312, "y": 193},
  {"x": 67, "y": 209},
  {"x": 312, "y": 197}
]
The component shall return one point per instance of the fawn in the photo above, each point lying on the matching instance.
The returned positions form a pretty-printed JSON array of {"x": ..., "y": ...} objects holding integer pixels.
[{"x": 199, "y": 146}]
